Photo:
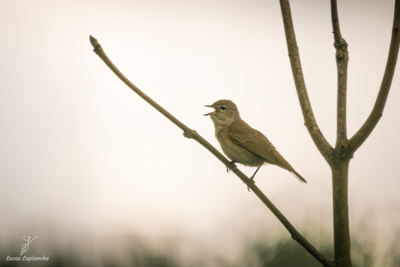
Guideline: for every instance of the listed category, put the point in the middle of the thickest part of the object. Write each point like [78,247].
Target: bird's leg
[252,177]
[232,163]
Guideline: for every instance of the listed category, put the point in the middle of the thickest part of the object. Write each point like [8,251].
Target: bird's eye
[223,107]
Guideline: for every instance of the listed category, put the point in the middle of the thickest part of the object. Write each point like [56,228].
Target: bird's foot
[232,166]
[249,183]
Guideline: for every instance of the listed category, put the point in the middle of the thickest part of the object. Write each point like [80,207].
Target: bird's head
[225,112]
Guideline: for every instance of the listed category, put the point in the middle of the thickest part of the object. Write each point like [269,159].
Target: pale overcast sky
[79,150]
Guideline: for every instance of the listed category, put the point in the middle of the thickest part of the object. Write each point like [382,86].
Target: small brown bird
[243,144]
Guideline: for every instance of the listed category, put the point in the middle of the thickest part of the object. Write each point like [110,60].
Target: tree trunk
[340,170]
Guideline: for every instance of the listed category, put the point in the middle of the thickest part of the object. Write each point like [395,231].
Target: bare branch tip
[97,47]
[93,40]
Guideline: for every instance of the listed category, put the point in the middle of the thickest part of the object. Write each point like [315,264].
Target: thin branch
[295,234]
[322,144]
[194,135]
[342,59]
[335,21]
[365,130]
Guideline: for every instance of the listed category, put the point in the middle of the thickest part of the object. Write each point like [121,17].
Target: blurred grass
[259,252]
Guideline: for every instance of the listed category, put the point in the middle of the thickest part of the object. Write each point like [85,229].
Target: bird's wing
[253,140]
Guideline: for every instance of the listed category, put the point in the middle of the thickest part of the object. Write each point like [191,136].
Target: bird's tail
[298,176]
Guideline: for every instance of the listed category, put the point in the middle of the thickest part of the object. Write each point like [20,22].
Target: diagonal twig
[194,135]
[376,113]
[322,144]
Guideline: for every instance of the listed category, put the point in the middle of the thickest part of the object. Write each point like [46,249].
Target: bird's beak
[211,113]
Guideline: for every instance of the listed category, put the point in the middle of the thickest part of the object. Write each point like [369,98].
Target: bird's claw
[249,183]
[232,166]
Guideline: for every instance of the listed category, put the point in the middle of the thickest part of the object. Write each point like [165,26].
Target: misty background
[99,175]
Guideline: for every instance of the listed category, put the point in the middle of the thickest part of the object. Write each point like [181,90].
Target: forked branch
[194,135]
